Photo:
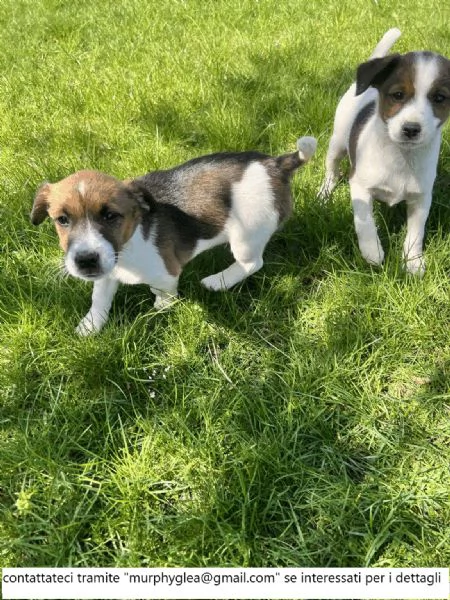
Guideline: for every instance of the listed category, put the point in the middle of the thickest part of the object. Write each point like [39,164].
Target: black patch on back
[192,201]
[181,228]
[159,180]
[195,196]
[243,158]
[361,119]
[280,170]
[167,186]
[171,220]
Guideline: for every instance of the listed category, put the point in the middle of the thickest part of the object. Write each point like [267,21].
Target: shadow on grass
[289,484]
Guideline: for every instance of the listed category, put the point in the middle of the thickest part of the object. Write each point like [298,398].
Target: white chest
[391,175]
[139,262]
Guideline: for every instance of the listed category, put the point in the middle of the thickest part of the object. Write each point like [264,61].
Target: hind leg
[247,248]
[336,152]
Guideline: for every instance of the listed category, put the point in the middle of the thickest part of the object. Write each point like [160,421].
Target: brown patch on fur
[187,210]
[40,205]
[280,184]
[174,258]
[441,88]
[208,194]
[82,194]
[442,110]
[63,235]
[399,79]
[289,163]
[400,82]
[282,200]
[177,234]
[107,203]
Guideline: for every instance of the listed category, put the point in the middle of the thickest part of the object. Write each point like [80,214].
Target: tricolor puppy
[145,230]
[389,123]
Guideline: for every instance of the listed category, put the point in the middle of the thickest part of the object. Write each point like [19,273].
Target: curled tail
[386,43]
[306,147]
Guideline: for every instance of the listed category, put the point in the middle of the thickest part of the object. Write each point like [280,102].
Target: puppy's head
[94,215]
[414,94]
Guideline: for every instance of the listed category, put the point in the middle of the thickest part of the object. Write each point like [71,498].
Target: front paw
[372,253]
[215,283]
[89,325]
[415,266]
[163,301]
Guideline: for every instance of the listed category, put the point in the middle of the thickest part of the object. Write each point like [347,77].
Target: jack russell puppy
[146,229]
[389,123]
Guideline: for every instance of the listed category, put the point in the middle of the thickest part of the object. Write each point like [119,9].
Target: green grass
[301,419]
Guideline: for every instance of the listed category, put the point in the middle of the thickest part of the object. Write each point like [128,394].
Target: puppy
[145,230]
[389,123]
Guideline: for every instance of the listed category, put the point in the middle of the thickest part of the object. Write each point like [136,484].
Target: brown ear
[374,72]
[40,204]
[141,194]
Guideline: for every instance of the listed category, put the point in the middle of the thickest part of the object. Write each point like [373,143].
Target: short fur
[389,123]
[145,230]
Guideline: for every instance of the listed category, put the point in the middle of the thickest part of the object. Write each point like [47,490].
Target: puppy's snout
[411,130]
[88,261]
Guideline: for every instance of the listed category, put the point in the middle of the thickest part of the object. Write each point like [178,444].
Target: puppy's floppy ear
[375,71]
[141,194]
[40,205]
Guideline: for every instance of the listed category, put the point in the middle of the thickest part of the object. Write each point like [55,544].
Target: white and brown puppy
[389,123]
[145,230]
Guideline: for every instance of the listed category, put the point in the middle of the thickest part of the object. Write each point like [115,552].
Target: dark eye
[110,216]
[438,98]
[63,220]
[398,96]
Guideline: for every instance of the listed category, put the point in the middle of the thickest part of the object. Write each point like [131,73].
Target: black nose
[411,130]
[87,261]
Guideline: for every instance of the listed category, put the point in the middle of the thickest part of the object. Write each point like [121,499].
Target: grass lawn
[301,419]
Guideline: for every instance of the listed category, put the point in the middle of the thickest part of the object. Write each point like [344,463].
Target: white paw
[164,301]
[89,325]
[214,283]
[416,266]
[328,185]
[372,253]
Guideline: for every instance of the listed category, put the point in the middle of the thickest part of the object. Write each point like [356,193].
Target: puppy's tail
[386,43]
[306,147]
